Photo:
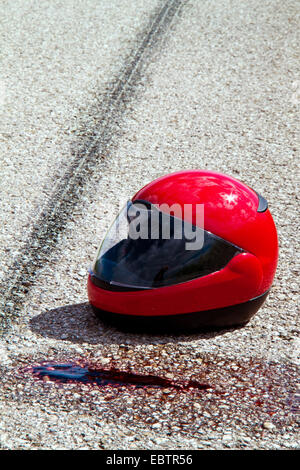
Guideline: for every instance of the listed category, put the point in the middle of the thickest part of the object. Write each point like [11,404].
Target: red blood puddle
[210,389]
[75,373]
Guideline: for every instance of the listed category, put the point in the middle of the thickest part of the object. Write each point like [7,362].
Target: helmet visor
[146,248]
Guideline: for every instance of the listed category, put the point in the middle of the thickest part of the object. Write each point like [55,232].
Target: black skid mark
[86,158]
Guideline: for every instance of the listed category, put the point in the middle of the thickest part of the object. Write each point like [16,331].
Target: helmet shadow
[77,323]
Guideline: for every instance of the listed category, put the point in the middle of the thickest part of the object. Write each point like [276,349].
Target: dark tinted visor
[146,248]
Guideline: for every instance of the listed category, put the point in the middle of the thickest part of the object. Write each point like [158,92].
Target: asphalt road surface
[98,98]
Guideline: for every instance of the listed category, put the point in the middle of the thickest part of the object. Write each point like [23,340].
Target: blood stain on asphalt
[75,373]
[253,386]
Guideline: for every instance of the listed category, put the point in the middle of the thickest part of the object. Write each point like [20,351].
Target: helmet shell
[230,296]
[230,212]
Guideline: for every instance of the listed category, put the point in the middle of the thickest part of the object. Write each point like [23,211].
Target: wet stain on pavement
[102,377]
[163,386]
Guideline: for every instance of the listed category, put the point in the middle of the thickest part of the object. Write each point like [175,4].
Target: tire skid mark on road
[52,220]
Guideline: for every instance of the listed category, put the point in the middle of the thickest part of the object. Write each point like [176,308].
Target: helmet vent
[262,203]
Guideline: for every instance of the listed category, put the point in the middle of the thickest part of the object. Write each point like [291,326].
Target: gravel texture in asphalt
[98,99]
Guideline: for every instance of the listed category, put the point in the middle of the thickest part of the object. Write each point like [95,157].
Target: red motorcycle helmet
[191,250]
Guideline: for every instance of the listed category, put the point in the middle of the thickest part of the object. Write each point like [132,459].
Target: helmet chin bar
[223,317]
